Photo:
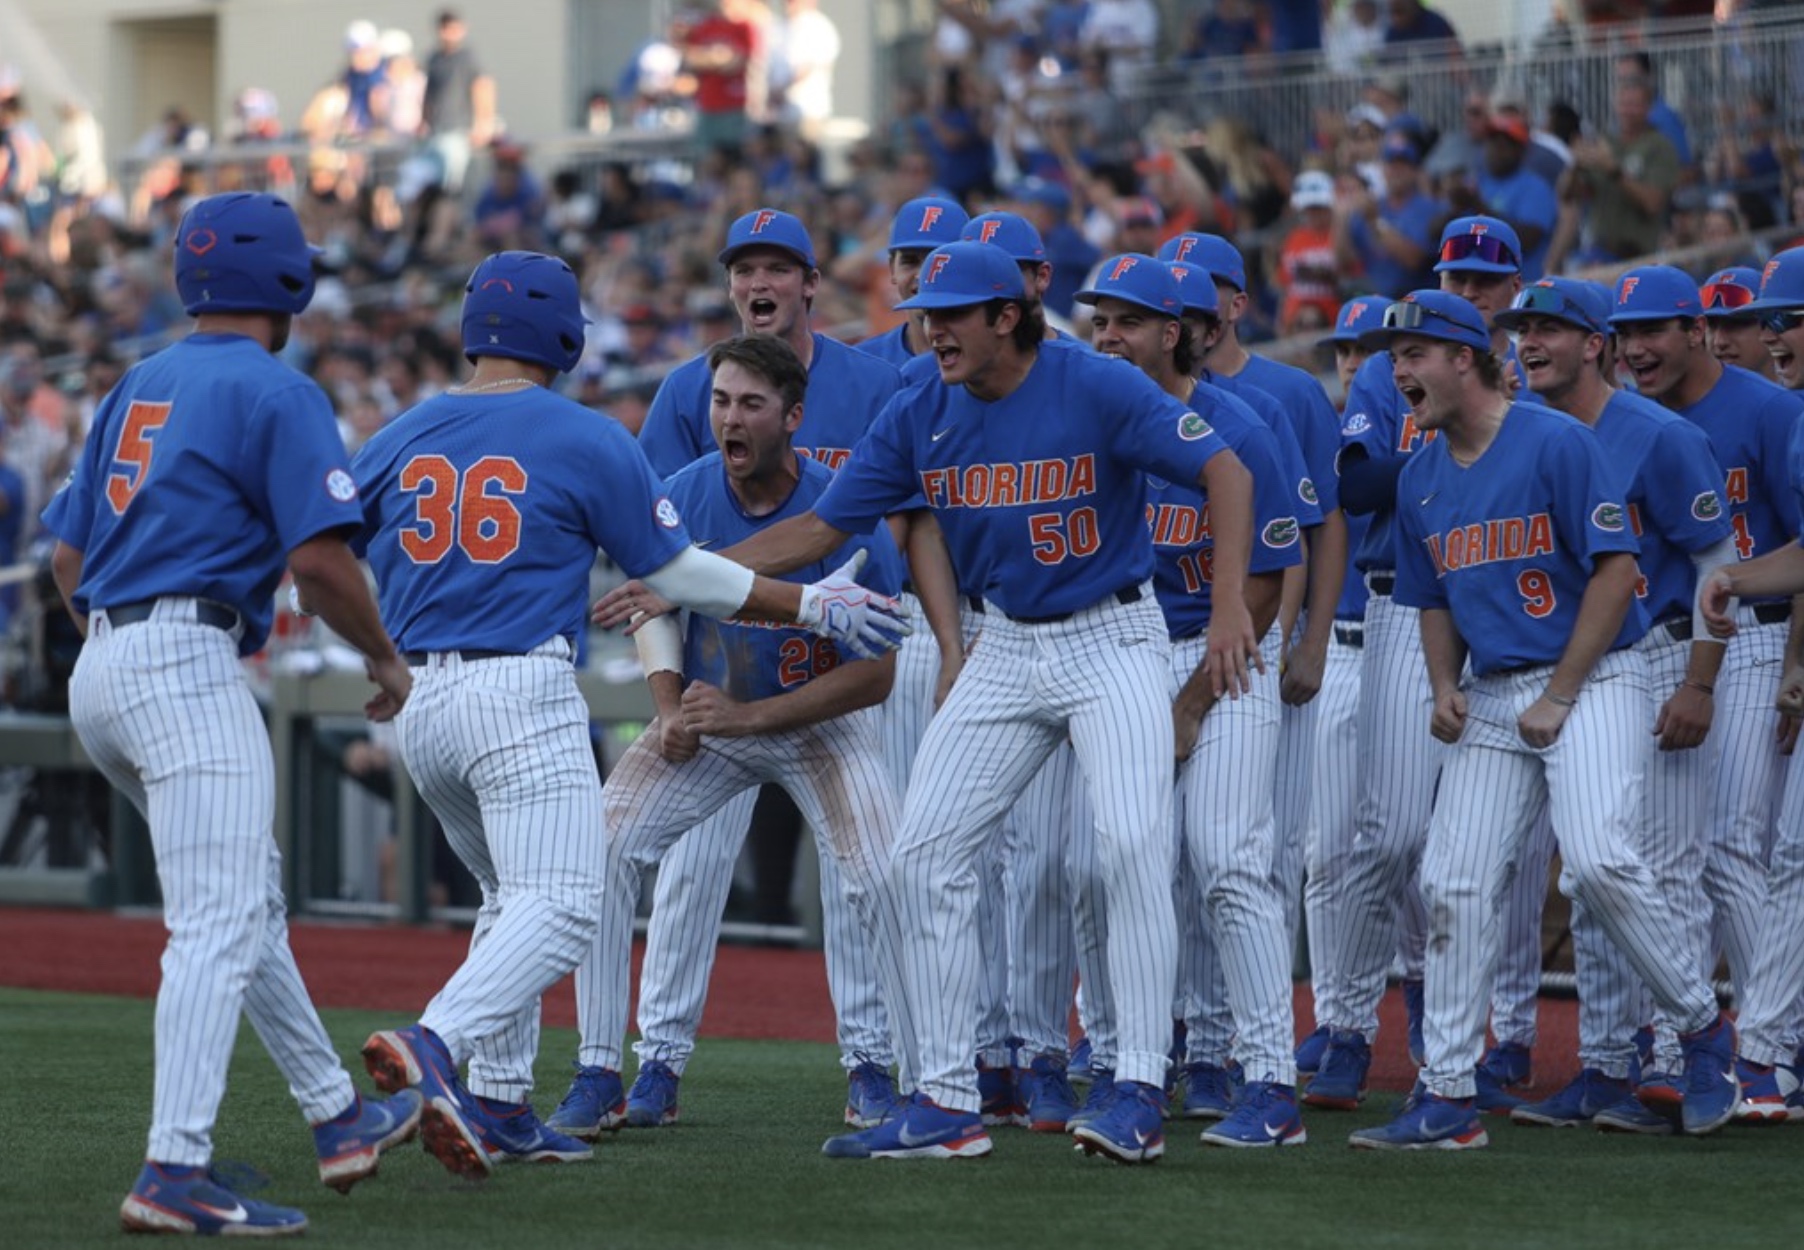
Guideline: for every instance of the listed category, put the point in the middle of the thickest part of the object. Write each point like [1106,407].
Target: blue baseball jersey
[1040,494]
[1311,414]
[1508,544]
[1353,592]
[1268,413]
[1749,422]
[482,515]
[846,390]
[1672,484]
[890,346]
[1178,516]
[1376,419]
[758,660]
[206,466]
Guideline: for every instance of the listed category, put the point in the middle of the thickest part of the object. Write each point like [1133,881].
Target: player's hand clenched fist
[708,710]
[862,621]
[1449,720]
[676,743]
[1541,722]
[1684,719]
[1716,595]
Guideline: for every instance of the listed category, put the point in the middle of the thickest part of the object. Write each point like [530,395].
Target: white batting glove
[862,621]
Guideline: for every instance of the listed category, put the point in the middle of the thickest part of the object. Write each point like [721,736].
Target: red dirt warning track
[755,993]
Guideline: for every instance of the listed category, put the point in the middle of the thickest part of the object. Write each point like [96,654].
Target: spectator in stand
[1308,272]
[978,35]
[1548,152]
[1246,173]
[1411,22]
[510,212]
[810,52]
[1732,333]
[1354,37]
[1390,238]
[718,51]
[958,138]
[1638,65]
[406,82]
[1746,148]
[1295,25]
[1626,180]
[1126,31]
[1227,31]
[1509,189]
[648,342]
[1061,25]
[457,114]
[1047,206]
[1723,233]
[1458,156]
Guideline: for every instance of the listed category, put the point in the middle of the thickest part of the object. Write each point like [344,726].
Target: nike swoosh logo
[704,544]
[1430,495]
[907,1138]
[1274,1131]
[1142,1137]
[941,434]
[237,1215]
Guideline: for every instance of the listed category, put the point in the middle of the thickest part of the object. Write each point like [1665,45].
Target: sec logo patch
[1192,427]
[1608,517]
[667,514]
[1358,423]
[341,486]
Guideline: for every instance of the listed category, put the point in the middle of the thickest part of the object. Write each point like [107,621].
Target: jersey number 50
[470,509]
[1056,537]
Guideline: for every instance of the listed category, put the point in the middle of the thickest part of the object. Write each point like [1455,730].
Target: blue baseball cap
[1566,299]
[1432,314]
[961,274]
[1356,316]
[1138,279]
[1196,287]
[1782,282]
[1479,244]
[769,227]
[1011,232]
[1042,191]
[1208,251]
[1731,292]
[930,221]
[1654,293]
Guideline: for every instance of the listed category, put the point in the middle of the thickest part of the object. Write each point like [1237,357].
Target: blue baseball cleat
[1266,1116]
[1579,1103]
[415,1058]
[1427,1122]
[871,1095]
[1311,1049]
[351,1145]
[1096,1098]
[1340,1083]
[171,1199]
[1131,1129]
[1208,1092]
[512,1132]
[652,1101]
[1712,1091]
[596,1102]
[920,1129]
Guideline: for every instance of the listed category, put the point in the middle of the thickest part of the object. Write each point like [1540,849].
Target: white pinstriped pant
[1101,678]
[1749,780]
[1328,832]
[1292,799]
[1234,945]
[1399,761]
[163,710]
[833,772]
[1769,1020]
[1493,788]
[499,748]
[1037,894]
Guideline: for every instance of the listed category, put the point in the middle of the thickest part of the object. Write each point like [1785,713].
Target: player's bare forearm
[1230,489]
[847,688]
[1601,611]
[930,569]
[65,567]
[331,583]
[1779,572]
[666,690]
[788,545]
[1296,593]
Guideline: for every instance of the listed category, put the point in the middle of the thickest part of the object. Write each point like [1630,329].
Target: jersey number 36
[470,510]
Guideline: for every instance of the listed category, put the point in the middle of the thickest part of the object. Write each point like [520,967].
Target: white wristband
[660,645]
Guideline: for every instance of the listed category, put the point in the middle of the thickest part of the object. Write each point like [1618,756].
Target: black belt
[1381,583]
[1772,613]
[1678,628]
[206,612]
[413,659]
[1350,633]
[1126,595]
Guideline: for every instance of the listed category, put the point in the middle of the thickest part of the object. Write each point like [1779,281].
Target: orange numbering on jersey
[1058,536]
[800,659]
[142,420]
[1536,589]
[470,510]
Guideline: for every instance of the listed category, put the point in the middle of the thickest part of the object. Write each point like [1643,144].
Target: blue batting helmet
[243,252]
[524,305]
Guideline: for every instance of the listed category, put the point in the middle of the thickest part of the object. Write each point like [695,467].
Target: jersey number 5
[1057,537]
[470,509]
[141,421]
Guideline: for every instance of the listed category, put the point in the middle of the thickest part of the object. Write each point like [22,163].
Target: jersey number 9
[469,509]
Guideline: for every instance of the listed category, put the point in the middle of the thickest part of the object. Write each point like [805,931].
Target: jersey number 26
[469,509]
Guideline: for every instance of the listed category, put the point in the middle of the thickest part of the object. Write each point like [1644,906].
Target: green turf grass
[743,1169]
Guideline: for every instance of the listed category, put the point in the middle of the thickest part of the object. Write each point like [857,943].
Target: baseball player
[210,468]
[1732,333]
[772,276]
[483,510]
[1769,1017]
[1032,459]
[1334,782]
[919,226]
[1514,544]
[1672,486]
[1480,262]
[1228,751]
[1749,422]
[750,704]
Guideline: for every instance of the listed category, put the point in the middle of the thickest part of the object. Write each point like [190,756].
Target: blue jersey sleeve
[1685,501]
[879,476]
[70,513]
[675,429]
[1154,431]
[1419,584]
[1588,510]
[306,476]
[1779,420]
[629,515]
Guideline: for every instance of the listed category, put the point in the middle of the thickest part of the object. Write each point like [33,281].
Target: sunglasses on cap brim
[1726,295]
[1485,247]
